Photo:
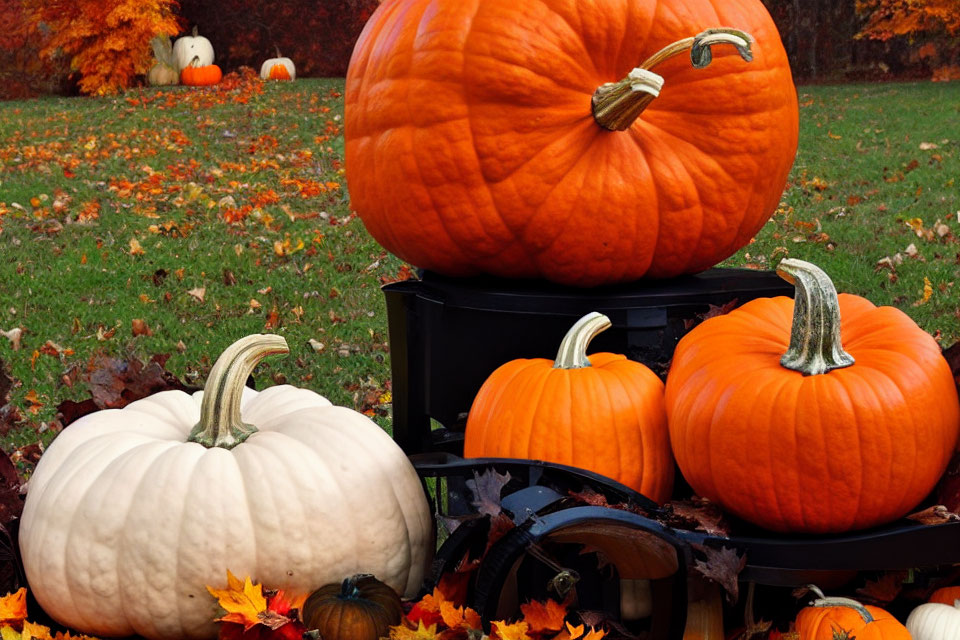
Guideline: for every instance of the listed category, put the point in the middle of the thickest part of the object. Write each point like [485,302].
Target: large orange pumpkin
[796,423]
[846,619]
[603,413]
[472,144]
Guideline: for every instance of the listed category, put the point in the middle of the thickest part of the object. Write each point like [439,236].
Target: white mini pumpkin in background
[186,48]
[132,512]
[278,68]
[935,621]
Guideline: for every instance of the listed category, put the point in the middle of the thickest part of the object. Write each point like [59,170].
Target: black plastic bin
[447,335]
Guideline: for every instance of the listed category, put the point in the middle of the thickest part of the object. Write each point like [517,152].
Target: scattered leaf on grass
[139,327]
[115,383]
[198,293]
[14,336]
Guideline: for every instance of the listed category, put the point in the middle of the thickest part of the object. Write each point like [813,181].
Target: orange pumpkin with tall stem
[818,414]
[602,413]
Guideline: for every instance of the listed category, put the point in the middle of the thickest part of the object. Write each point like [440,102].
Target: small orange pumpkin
[945,595]
[360,608]
[784,425]
[603,413]
[194,75]
[846,619]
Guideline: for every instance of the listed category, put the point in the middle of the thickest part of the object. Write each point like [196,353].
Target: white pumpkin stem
[573,348]
[815,346]
[616,105]
[220,423]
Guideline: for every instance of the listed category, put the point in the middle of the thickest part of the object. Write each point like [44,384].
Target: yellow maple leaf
[544,616]
[515,631]
[13,607]
[422,632]
[595,634]
[244,601]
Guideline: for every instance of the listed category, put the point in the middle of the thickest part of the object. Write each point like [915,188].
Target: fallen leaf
[114,383]
[35,404]
[937,514]
[242,601]
[13,607]
[135,248]
[698,513]
[544,616]
[139,327]
[401,632]
[884,589]
[486,489]
[510,631]
[198,293]
[928,146]
[722,566]
[14,336]
[927,292]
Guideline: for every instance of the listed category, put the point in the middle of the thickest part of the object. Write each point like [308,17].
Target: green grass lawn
[205,215]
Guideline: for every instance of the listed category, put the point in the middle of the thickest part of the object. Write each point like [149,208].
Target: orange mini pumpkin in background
[603,413]
[485,136]
[796,423]
[194,75]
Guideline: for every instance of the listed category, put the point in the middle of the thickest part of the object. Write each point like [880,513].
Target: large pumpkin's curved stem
[617,104]
[573,348]
[220,424]
[815,335]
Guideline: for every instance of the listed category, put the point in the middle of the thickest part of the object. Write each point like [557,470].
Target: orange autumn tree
[106,41]
[932,26]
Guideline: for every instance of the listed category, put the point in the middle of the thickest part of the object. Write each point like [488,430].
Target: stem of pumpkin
[616,105]
[815,346]
[573,348]
[220,424]
[844,602]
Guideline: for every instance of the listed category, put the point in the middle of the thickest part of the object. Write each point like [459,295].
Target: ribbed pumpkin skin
[367,615]
[471,148]
[845,450]
[201,76]
[608,418]
[819,623]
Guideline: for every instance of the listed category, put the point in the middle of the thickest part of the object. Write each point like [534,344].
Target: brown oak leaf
[722,566]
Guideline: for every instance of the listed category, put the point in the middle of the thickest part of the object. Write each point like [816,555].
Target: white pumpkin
[186,48]
[132,512]
[935,621]
[274,68]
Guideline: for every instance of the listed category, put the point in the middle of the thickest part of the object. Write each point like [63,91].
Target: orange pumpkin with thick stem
[796,422]
[846,619]
[603,413]
[485,136]
[195,75]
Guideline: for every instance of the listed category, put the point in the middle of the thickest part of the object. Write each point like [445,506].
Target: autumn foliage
[106,42]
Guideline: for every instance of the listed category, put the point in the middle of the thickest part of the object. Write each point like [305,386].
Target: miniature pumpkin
[935,621]
[603,413]
[846,619]
[361,608]
[792,422]
[278,68]
[186,48]
[507,138]
[194,75]
[165,71]
[133,512]
[945,595]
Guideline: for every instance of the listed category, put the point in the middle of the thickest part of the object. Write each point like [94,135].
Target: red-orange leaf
[13,607]
[544,616]
[516,631]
